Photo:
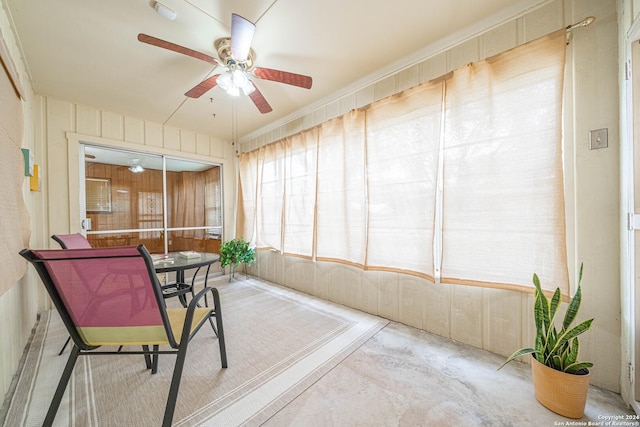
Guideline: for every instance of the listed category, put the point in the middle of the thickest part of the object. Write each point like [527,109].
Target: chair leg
[223,348]
[147,356]
[215,330]
[66,343]
[175,383]
[182,355]
[154,359]
[62,385]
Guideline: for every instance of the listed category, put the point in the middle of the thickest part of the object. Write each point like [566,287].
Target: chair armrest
[193,304]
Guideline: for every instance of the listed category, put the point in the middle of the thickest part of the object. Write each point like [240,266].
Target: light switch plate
[598,138]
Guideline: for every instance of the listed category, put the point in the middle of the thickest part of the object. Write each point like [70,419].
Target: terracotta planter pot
[564,394]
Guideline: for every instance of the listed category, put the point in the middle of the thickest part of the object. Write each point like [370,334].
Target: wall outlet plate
[598,138]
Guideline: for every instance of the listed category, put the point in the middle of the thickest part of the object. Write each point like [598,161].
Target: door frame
[629,221]
[76,165]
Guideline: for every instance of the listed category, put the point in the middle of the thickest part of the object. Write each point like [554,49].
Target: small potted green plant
[560,381]
[235,252]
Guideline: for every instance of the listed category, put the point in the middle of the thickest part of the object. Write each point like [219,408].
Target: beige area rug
[279,342]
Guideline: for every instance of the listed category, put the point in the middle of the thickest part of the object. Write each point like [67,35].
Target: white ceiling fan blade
[242,32]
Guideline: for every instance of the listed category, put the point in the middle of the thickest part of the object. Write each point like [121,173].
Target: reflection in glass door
[167,204]
[193,198]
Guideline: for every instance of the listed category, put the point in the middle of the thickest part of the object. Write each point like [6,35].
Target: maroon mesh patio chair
[78,241]
[112,297]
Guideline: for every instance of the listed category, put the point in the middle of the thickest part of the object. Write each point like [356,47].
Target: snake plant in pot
[560,380]
[235,252]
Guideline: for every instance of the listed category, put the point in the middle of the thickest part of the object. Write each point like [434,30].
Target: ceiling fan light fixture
[239,78]
[234,91]
[225,81]
[235,80]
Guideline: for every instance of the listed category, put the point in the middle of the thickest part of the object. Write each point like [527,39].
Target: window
[482,148]
[98,194]
[503,197]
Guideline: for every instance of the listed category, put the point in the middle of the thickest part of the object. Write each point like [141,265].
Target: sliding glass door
[167,204]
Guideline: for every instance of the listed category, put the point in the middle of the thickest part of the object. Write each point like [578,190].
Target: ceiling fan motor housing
[223,47]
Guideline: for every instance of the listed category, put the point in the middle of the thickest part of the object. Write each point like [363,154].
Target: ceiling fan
[235,54]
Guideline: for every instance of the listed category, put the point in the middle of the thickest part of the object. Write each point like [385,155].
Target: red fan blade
[260,101]
[153,41]
[198,90]
[242,32]
[283,77]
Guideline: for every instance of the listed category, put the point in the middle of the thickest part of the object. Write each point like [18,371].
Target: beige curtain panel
[458,180]
[341,201]
[301,158]
[403,140]
[247,196]
[503,207]
[270,197]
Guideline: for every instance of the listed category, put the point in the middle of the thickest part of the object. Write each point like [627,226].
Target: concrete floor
[407,377]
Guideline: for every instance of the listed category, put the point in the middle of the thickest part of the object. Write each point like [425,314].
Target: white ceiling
[87,51]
